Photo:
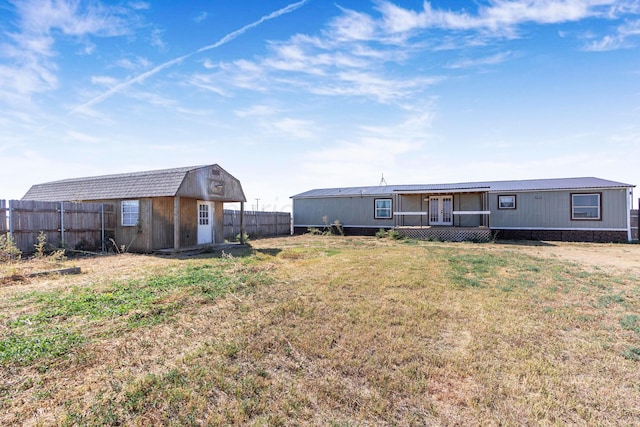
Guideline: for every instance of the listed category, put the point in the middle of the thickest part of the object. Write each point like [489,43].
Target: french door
[441,210]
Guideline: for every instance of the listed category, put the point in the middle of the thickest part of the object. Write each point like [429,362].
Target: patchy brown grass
[317,330]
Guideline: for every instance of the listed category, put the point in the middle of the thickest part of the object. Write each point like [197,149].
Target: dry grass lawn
[337,331]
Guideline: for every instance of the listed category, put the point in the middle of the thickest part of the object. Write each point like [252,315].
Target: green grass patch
[24,348]
[133,304]
[631,322]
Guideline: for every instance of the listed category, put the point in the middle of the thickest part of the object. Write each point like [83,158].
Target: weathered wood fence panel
[67,225]
[634,224]
[4,219]
[257,223]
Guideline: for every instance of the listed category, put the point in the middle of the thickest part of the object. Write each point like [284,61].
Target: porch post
[176,223]
[218,222]
[242,223]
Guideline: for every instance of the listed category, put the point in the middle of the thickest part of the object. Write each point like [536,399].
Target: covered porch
[451,214]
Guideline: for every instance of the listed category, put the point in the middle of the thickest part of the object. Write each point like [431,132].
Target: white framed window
[203,214]
[507,201]
[586,206]
[130,212]
[382,209]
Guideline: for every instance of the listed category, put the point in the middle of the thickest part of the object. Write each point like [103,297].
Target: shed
[158,209]
[571,209]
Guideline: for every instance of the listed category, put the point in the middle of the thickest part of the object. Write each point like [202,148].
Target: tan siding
[135,238]
[218,221]
[211,183]
[163,222]
[188,222]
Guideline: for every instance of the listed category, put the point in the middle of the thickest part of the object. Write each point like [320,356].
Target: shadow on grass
[523,243]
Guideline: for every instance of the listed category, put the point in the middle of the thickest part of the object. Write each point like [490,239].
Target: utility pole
[257,200]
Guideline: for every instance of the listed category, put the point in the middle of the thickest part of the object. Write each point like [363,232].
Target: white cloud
[256,111]
[208,83]
[295,128]
[498,58]
[103,80]
[498,16]
[155,39]
[29,51]
[373,150]
[140,5]
[133,64]
[82,137]
[353,26]
[620,39]
[200,17]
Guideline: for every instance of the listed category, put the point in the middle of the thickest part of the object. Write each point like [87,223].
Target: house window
[383,209]
[507,202]
[586,206]
[130,212]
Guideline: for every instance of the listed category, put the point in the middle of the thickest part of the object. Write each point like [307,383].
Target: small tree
[8,249]
[41,245]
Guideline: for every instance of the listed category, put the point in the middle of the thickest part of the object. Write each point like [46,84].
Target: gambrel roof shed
[201,182]
[158,209]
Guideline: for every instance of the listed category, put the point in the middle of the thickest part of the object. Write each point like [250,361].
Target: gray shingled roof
[156,183]
[491,186]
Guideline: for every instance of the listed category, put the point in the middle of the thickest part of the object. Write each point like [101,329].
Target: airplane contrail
[141,77]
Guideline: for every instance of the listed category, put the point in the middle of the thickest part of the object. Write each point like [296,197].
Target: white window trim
[129,214]
[515,199]
[375,208]
[598,206]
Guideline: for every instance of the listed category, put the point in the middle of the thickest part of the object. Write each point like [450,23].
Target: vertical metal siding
[469,202]
[350,211]
[411,203]
[552,209]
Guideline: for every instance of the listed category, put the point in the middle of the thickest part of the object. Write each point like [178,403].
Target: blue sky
[289,96]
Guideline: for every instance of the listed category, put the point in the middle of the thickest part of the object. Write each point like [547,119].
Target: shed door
[441,210]
[205,222]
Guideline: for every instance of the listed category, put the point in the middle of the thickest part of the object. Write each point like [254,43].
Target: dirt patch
[610,257]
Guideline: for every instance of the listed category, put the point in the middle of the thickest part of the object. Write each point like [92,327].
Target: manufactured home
[566,209]
[160,209]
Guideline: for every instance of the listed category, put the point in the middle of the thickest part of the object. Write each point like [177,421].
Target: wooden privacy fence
[634,224]
[257,224]
[83,226]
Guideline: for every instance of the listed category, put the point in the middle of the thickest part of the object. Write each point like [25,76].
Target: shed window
[383,209]
[130,212]
[586,206]
[507,202]
[203,214]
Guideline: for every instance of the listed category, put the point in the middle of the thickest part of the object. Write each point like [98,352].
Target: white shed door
[205,222]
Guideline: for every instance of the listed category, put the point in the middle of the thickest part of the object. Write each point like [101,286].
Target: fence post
[62,225]
[233,224]
[102,227]
[242,223]
[10,228]
[10,219]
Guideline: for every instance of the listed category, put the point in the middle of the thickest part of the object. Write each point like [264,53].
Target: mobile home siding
[552,210]
[350,211]
[468,202]
[412,203]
